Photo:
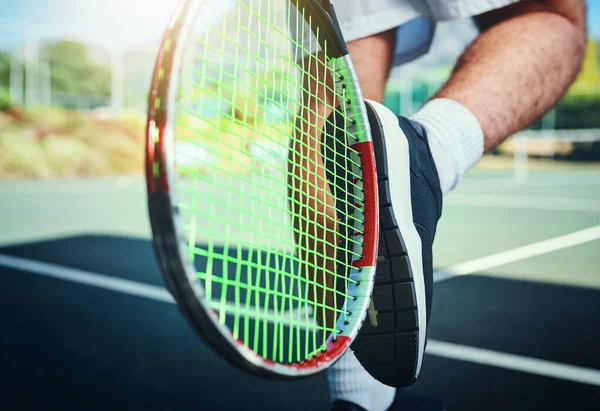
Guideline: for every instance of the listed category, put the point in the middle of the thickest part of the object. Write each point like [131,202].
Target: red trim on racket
[334,348]
[371,238]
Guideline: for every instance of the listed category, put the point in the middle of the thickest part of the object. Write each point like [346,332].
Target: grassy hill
[53,142]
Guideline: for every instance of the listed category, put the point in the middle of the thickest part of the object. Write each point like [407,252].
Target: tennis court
[88,324]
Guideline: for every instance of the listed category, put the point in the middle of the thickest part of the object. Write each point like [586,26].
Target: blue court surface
[87,323]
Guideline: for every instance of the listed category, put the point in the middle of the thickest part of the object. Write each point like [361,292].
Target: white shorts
[415,19]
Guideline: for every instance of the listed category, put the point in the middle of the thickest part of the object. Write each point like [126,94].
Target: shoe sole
[391,343]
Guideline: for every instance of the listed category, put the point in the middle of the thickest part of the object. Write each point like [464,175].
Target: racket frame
[169,242]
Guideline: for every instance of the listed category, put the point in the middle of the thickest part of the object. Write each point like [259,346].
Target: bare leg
[372,58]
[520,66]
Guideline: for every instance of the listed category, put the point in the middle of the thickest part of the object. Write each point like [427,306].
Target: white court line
[437,348]
[267,315]
[498,186]
[569,183]
[106,282]
[519,253]
[119,285]
[526,202]
[514,362]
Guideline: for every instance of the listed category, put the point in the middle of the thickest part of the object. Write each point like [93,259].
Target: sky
[114,24]
[594,18]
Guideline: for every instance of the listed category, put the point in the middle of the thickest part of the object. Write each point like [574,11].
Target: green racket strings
[271,243]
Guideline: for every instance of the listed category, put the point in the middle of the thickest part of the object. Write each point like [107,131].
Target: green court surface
[514,323]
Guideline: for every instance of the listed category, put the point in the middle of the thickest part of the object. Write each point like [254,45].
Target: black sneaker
[391,342]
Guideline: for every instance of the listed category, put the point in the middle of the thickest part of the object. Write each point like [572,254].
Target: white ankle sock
[349,381]
[455,138]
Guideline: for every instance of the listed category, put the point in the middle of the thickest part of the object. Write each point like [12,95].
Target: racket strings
[350,162]
[251,266]
[194,209]
[321,84]
[260,93]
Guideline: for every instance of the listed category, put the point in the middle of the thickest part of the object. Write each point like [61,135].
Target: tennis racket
[261,182]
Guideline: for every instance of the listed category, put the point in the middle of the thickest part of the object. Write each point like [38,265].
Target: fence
[543,140]
[30,71]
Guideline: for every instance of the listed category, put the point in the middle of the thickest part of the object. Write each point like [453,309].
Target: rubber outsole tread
[389,349]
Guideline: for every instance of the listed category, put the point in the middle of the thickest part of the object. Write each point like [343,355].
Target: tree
[579,108]
[4,81]
[72,70]
[588,81]
[4,70]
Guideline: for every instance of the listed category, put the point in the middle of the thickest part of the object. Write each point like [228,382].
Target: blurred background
[89,325]
[74,78]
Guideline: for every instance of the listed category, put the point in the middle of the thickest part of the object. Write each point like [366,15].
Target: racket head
[179,138]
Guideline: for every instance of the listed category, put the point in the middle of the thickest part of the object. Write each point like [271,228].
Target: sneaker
[391,343]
